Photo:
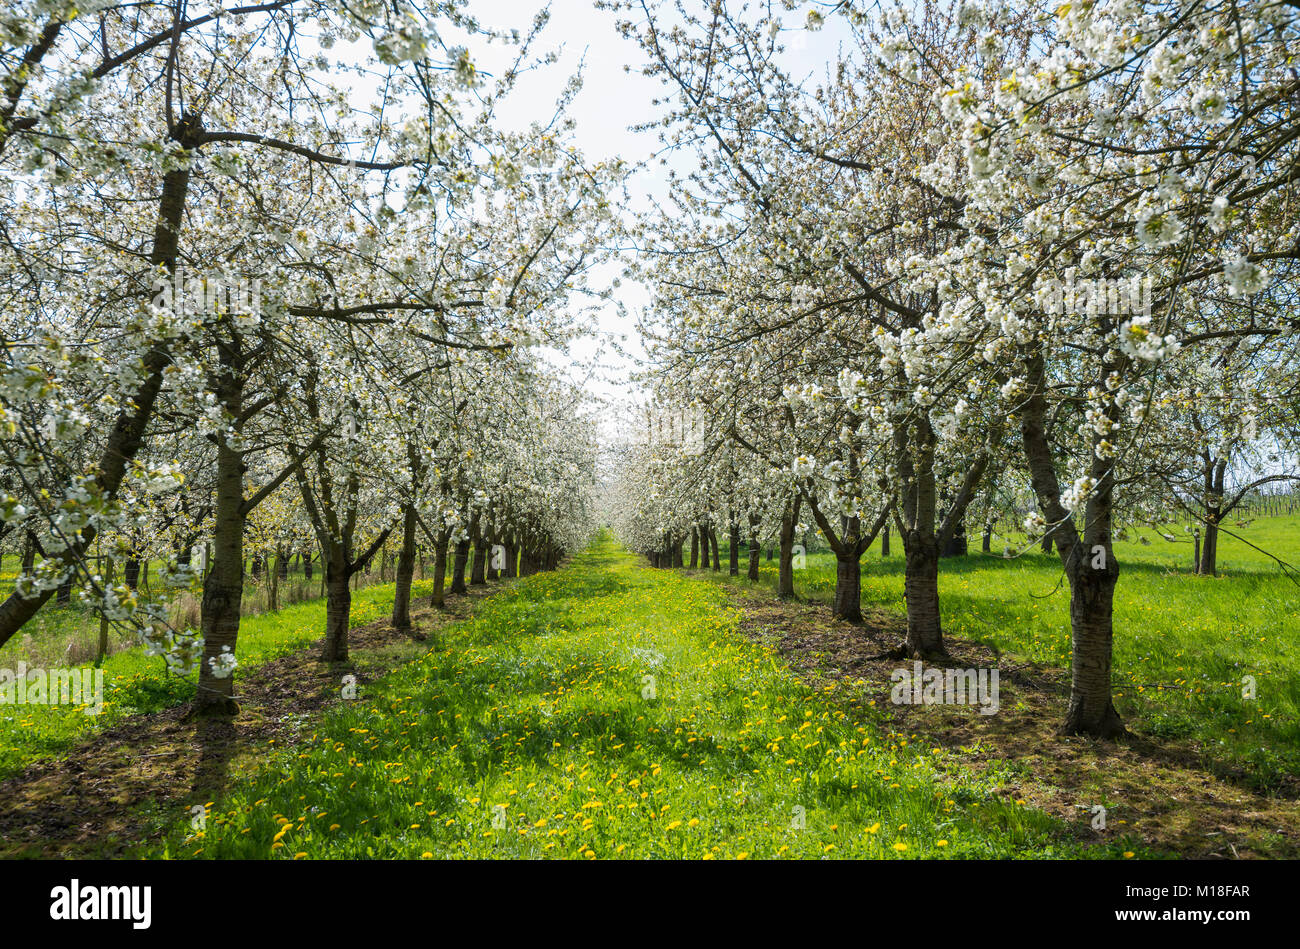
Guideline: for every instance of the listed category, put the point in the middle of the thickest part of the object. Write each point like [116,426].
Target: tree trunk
[438,599]
[1091,710]
[733,554]
[754,551]
[713,542]
[223,589]
[102,651]
[338,609]
[458,565]
[478,572]
[847,604]
[956,545]
[695,547]
[785,565]
[921,583]
[512,560]
[273,589]
[405,572]
[1209,562]
[1210,546]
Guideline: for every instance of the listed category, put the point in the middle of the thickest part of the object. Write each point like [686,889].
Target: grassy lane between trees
[611,710]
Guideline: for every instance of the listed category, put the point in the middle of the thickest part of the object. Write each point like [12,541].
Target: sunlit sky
[613,98]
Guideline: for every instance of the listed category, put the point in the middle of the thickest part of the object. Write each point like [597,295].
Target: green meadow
[610,710]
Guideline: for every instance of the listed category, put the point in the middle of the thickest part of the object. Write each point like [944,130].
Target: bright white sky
[614,98]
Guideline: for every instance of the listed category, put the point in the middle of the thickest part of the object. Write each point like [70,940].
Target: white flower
[224,665]
[1159,230]
[989,44]
[1078,493]
[1209,105]
[1219,214]
[1137,340]
[1243,277]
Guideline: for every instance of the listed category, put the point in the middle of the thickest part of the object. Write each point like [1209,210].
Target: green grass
[135,682]
[529,731]
[1182,643]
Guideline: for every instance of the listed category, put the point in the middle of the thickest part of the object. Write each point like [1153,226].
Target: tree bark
[1091,711]
[921,583]
[223,588]
[101,652]
[512,559]
[458,565]
[847,604]
[478,572]
[1214,477]
[438,599]
[338,609]
[405,572]
[785,566]
[273,588]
